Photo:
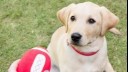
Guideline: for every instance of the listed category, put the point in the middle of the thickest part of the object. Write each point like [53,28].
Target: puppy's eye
[91,21]
[73,18]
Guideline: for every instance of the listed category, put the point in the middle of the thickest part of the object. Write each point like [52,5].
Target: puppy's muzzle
[76,37]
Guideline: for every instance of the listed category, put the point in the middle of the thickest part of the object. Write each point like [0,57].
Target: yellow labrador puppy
[80,45]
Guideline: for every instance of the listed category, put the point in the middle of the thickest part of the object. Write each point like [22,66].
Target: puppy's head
[85,22]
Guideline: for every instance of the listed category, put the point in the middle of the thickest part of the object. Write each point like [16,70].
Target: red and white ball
[35,60]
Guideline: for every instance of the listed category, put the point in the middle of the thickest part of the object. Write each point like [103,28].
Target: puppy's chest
[88,64]
[82,68]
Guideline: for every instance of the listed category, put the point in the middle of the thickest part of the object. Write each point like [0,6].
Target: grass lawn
[28,23]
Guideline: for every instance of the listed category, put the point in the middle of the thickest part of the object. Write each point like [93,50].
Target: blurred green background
[28,23]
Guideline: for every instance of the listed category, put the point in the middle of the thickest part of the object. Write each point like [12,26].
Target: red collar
[84,53]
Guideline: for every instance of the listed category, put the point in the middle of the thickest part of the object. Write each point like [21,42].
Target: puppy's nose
[76,37]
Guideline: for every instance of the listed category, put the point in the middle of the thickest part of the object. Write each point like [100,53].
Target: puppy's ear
[109,20]
[64,13]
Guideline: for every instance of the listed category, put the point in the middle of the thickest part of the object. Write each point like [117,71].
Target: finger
[13,66]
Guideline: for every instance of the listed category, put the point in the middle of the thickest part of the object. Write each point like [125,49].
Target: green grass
[28,23]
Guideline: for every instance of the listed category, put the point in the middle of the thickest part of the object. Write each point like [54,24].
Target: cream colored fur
[64,57]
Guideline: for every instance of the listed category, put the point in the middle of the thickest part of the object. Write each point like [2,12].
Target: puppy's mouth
[79,44]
